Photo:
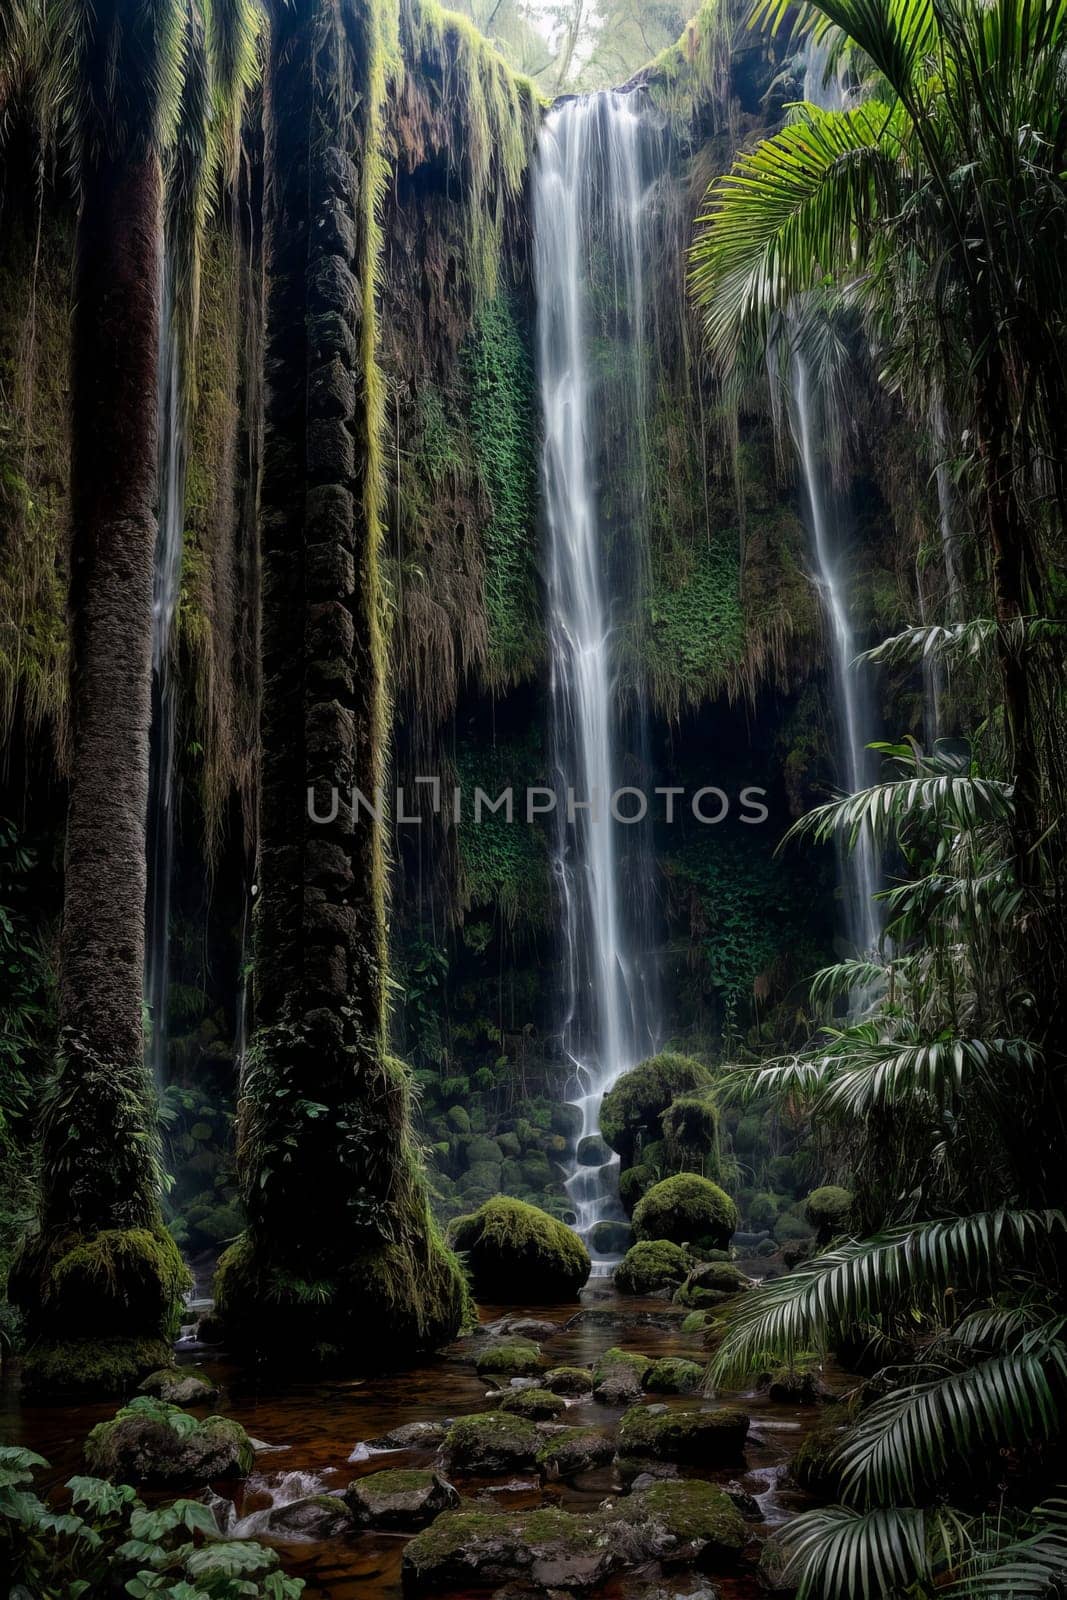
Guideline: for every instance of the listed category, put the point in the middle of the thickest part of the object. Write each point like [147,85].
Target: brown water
[311,1430]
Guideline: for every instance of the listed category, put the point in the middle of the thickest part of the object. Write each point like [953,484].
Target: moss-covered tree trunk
[101,1281]
[340,1257]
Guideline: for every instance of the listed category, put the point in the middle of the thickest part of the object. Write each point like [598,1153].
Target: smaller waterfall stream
[590,208]
[165,593]
[853,711]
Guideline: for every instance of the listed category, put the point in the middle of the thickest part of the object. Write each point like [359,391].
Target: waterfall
[595,162]
[166,587]
[853,712]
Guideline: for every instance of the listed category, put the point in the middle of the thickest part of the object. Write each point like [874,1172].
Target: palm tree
[101,1280]
[939,1106]
[340,1258]
[935,205]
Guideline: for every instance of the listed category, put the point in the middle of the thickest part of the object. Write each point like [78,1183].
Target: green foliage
[502,864]
[691,1135]
[109,1542]
[503,433]
[752,907]
[695,638]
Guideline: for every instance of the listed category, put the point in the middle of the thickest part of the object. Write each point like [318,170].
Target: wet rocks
[684,1434]
[537,1404]
[549,1549]
[570,1381]
[511,1358]
[574,1450]
[619,1375]
[319,1516]
[674,1375]
[410,1436]
[150,1442]
[179,1386]
[399,1501]
[491,1443]
[710,1284]
[684,1522]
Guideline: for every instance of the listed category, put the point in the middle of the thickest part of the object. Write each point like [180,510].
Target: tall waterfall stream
[595,164]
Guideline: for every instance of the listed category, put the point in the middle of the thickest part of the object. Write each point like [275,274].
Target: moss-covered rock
[651,1266]
[685,1522]
[491,1443]
[549,1549]
[540,1405]
[634,1105]
[696,1322]
[611,1238]
[317,1516]
[410,1436]
[798,1383]
[511,1358]
[179,1386]
[828,1210]
[570,1381]
[674,1375]
[517,1253]
[686,1209]
[574,1450]
[690,1435]
[154,1443]
[634,1184]
[816,1467]
[399,1501]
[618,1376]
[691,1134]
[711,1284]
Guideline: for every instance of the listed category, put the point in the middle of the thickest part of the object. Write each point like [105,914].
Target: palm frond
[887,808]
[1029,1566]
[795,208]
[841,1554]
[908,1442]
[857,1280]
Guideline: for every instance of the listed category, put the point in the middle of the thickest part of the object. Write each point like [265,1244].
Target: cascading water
[854,714]
[595,163]
[165,591]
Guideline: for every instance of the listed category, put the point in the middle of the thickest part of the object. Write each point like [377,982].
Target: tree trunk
[101,1283]
[340,1255]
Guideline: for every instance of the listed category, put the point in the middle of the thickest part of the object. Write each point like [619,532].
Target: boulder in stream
[318,1517]
[155,1443]
[674,1375]
[574,1450]
[511,1358]
[538,1404]
[651,1266]
[687,1209]
[571,1381]
[179,1386]
[410,1436]
[549,1549]
[685,1522]
[399,1501]
[516,1252]
[619,1375]
[491,1443]
[686,1434]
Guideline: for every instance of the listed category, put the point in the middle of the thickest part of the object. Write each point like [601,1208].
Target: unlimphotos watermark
[708,805]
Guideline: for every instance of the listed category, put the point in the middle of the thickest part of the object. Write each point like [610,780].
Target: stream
[312,1441]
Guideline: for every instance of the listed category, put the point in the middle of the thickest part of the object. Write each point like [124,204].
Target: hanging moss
[34,467]
[504,433]
[696,634]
